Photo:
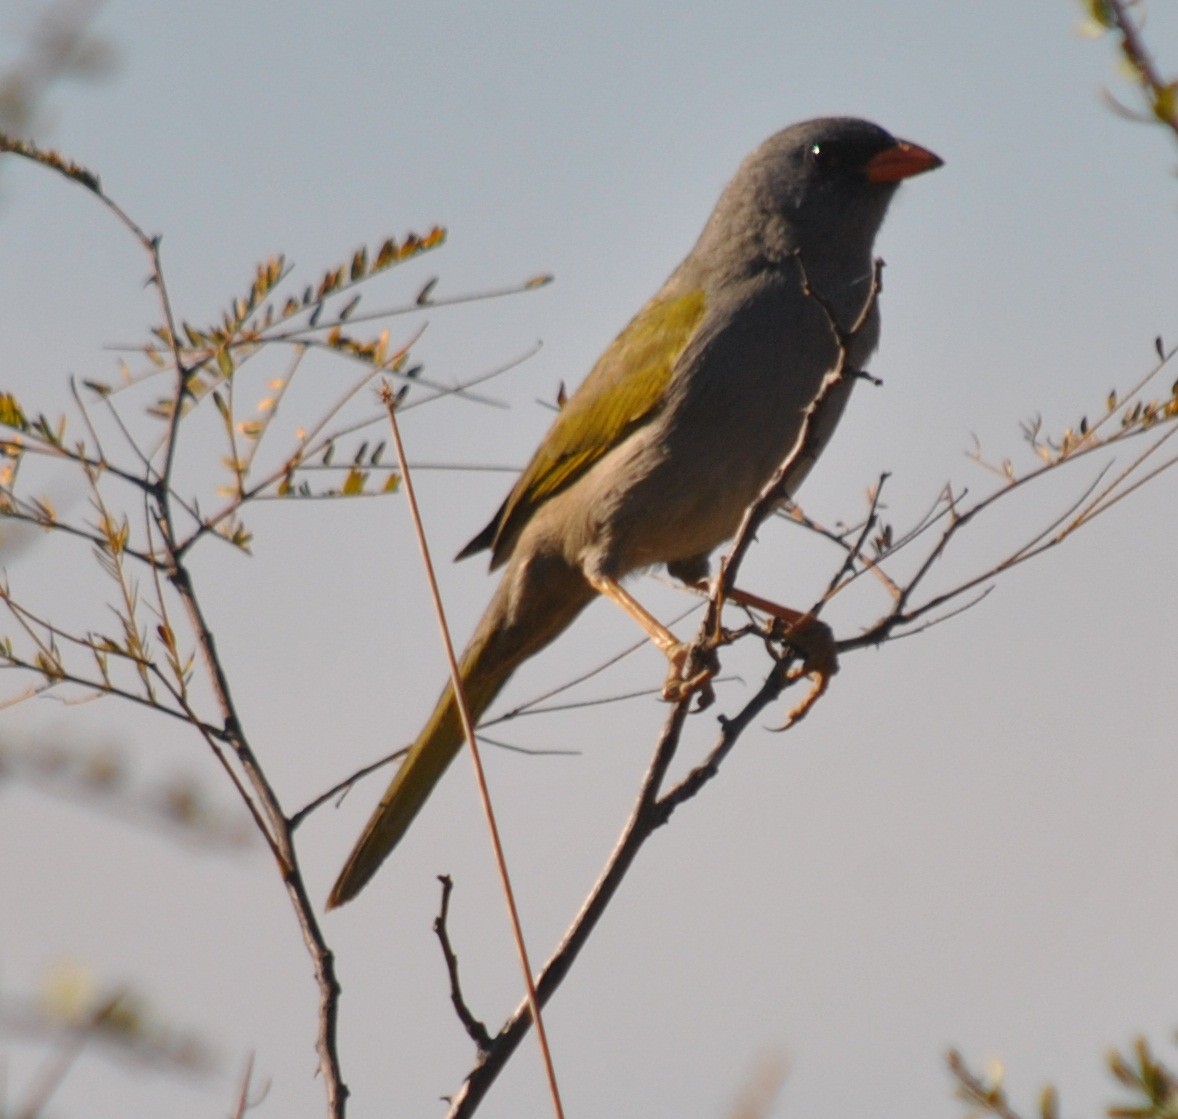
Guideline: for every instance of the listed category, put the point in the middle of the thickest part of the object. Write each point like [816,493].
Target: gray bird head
[820,188]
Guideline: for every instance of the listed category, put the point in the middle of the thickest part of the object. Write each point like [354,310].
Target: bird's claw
[814,641]
[692,667]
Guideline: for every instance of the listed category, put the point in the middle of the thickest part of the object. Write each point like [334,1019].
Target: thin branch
[847,572]
[474,1028]
[528,705]
[777,488]
[530,284]
[342,787]
[277,832]
[973,1090]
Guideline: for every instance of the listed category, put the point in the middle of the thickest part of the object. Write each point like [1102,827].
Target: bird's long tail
[535,602]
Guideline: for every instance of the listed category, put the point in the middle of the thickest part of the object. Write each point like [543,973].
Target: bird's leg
[685,675]
[806,632]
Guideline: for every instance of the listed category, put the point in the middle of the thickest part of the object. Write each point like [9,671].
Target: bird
[686,416]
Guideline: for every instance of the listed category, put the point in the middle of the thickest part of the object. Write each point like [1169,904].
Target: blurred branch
[1153,1088]
[101,779]
[1161,96]
[986,1096]
[72,1015]
[246,1100]
[761,1091]
[60,47]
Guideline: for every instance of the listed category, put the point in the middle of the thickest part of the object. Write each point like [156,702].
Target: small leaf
[426,291]
[117,537]
[1100,12]
[46,514]
[359,264]
[225,363]
[354,482]
[330,283]
[1165,103]
[11,413]
[50,667]
[386,255]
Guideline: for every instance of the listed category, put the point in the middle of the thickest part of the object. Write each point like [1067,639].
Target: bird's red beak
[901,161]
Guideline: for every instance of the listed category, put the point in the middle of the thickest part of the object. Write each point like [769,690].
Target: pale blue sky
[971,842]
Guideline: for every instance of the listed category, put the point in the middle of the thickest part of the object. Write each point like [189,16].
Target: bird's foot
[814,641]
[692,667]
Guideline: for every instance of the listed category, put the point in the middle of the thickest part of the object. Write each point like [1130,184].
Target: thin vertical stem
[388,398]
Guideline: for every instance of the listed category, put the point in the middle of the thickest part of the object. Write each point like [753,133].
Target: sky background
[972,840]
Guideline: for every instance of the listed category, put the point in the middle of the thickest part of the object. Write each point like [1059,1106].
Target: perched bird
[680,424]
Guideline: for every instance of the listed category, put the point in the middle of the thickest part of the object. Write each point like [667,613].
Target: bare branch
[475,1028]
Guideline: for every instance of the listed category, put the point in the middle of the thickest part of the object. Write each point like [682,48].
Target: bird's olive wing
[621,393]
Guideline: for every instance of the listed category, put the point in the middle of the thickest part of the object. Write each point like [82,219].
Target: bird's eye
[826,156]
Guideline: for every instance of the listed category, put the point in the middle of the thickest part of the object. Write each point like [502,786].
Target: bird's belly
[661,497]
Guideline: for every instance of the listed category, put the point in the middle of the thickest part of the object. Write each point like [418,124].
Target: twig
[534,704]
[973,1090]
[477,1031]
[847,571]
[343,786]
[777,488]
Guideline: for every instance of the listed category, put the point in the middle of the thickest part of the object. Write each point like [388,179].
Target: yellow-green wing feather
[621,393]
